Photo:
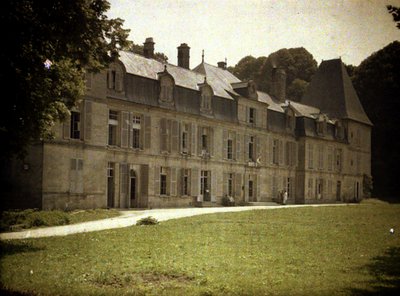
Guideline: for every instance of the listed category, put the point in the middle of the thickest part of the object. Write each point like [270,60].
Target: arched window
[167,85]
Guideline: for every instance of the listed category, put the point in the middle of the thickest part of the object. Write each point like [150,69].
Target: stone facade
[149,135]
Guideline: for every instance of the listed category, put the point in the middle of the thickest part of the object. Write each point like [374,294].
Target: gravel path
[129,218]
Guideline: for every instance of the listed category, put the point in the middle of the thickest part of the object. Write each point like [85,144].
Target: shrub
[228,201]
[147,221]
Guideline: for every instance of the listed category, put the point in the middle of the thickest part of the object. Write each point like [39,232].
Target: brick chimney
[278,85]
[148,48]
[184,56]
[222,65]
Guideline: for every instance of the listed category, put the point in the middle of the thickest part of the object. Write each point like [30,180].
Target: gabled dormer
[116,78]
[206,95]
[290,118]
[247,89]
[320,124]
[339,130]
[167,88]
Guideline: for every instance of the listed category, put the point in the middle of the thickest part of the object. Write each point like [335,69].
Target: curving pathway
[129,218]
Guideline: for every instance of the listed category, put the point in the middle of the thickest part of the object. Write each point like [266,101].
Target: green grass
[26,219]
[305,251]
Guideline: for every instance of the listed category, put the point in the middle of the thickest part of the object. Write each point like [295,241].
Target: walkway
[129,218]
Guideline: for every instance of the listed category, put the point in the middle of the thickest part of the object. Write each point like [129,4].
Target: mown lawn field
[344,250]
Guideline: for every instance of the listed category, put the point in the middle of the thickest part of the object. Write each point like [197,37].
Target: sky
[233,29]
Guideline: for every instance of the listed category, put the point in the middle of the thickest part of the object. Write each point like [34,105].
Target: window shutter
[238,185]
[88,120]
[163,135]
[246,147]
[213,191]
[195,182]
[225,184]
[124,184]
[174,180]
[271,150]
[124,129]
[238,147]
[224,144]
[181,181]
[147,131]
[280,149]
[199,134]
[247,114]
[156,180]
[192,139]
[79,176]
[263,116]
[211,141]
[72,175]
[130,131]
[242,113]
[175,136]
[67,128]
[257,187]
[258,153]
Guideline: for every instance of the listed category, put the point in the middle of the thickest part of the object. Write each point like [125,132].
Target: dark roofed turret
[333,93]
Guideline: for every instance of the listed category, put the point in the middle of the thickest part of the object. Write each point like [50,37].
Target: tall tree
[47,47]
[377,81]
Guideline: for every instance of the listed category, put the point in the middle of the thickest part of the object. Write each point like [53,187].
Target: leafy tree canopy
[377,82]
[47,47]
[138,49]
[298,63]
[395,12]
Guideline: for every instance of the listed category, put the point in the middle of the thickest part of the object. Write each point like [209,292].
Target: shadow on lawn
[386,272]
[16,247]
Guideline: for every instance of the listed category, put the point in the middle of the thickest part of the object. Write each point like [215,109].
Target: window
[75,125]
[230,184]
[185,138]
[229,149]
[321,157]
[112,127]
[204,183]
[330,158]
[252,115]
[166,88]
[338,159]
[136,132]
[310,188]
[112,79]
[163,181]
[251,190]
[204,142]
[185,182]
[110,170]
[251,148]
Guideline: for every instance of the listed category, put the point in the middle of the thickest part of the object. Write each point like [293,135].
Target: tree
[298,63]
[47,47]
[395,12]
[377,82]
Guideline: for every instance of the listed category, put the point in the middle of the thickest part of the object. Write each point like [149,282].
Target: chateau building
[149,134]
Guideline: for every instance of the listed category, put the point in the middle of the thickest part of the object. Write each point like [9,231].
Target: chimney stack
[222,65]
[184,56]
[148,48]
[278,85]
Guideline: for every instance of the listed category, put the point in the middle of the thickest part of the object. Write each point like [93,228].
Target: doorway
[132,189]
[110,185]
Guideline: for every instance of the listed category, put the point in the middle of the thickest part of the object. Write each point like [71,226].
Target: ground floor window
[163,182]
[204,185]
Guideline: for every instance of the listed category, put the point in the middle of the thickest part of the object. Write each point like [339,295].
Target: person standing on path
[285,196]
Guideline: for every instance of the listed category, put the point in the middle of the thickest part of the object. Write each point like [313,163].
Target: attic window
[321,125]
[290,120]
[339,131]
[115,78]
[166,89]
[206,96]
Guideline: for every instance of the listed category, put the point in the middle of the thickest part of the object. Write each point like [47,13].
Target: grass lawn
[26,219]
[305,251]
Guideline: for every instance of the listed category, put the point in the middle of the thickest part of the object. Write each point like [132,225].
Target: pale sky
[350,29]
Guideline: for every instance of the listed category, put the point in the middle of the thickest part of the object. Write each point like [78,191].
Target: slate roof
[332,92]
[304,110]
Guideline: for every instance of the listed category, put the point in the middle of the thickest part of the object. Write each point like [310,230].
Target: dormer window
[115,78]
[321,125]
[206,93]
[167,85]
[339,130]
[290,119]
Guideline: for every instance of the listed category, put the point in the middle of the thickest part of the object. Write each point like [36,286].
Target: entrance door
[338,191]
[204,185]
[110,185]
[132,188]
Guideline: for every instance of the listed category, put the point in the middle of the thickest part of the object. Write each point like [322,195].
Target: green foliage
[298,63]
[367,185]
[147,221]
[227,202]
[377,82]
[15,220]
[75,36]
[340,250]
[395,12]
